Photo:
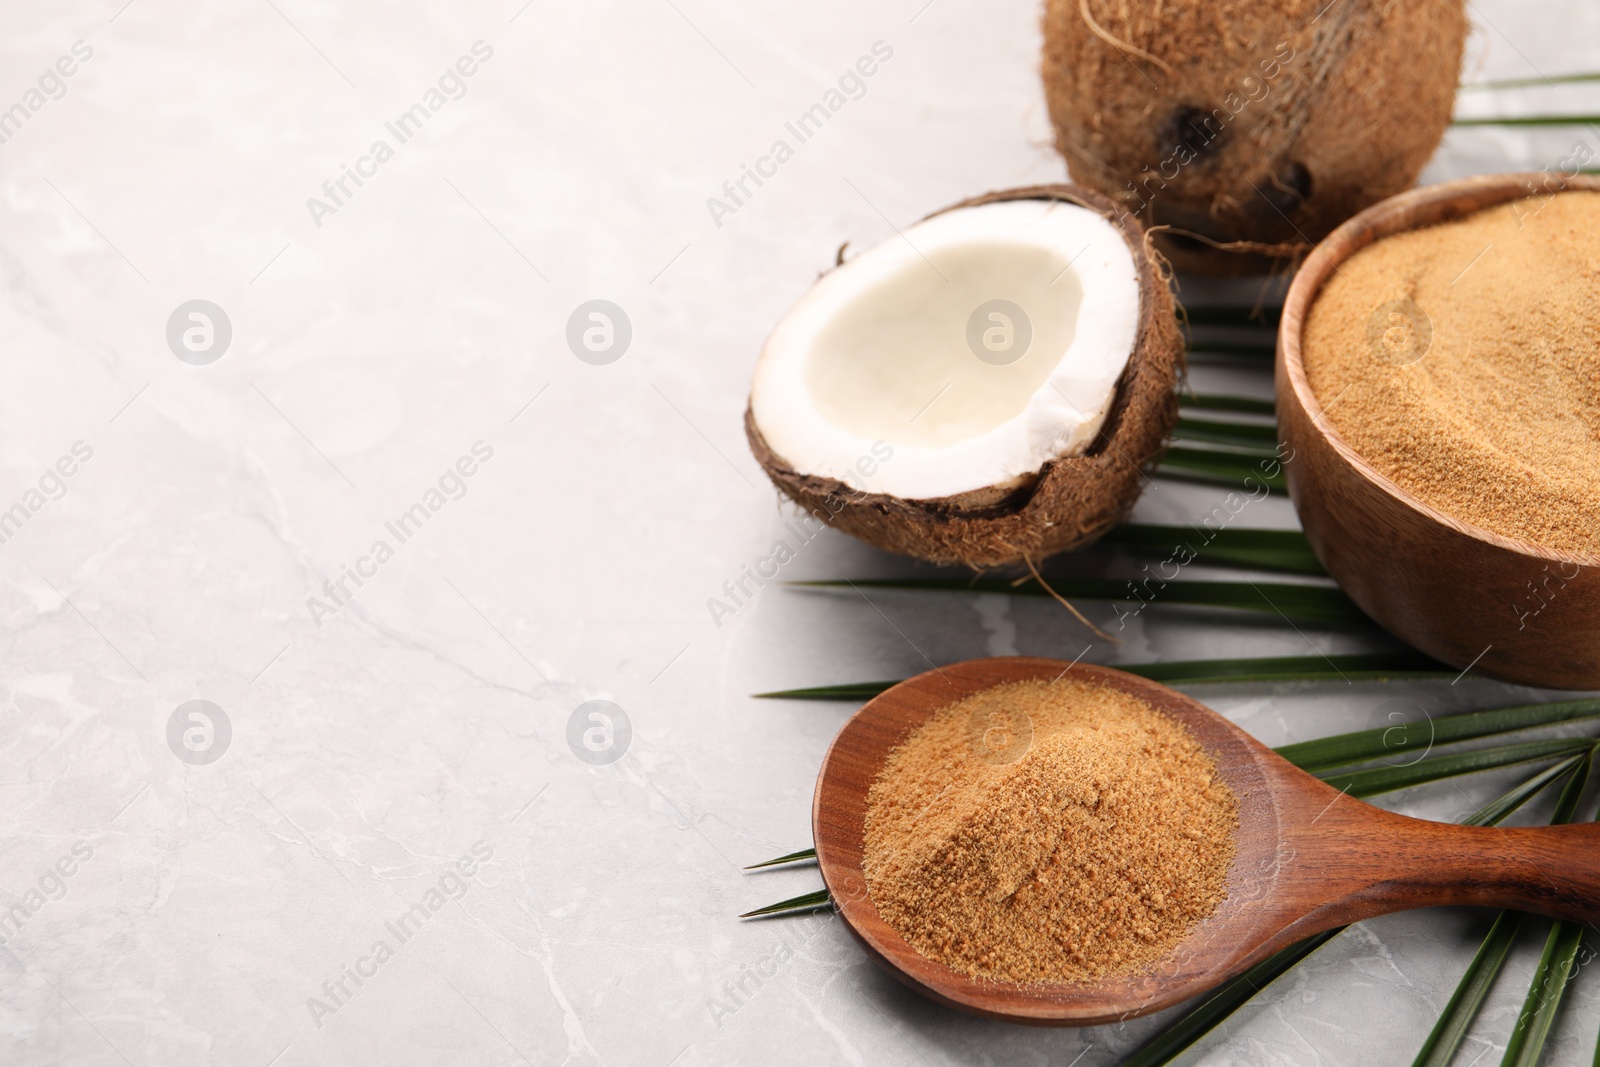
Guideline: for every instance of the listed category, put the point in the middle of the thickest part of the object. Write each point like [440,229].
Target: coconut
[1264,124]
[986,387]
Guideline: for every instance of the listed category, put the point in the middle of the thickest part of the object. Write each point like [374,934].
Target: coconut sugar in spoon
[1308,857]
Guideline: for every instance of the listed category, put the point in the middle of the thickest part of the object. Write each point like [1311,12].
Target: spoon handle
[1396,863]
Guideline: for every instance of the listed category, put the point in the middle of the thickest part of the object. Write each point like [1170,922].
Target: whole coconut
[1264,123]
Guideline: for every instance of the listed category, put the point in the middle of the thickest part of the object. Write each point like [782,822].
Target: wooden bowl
[1506,608]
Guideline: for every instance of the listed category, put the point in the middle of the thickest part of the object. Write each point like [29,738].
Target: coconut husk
[1073,500]
[1188,114]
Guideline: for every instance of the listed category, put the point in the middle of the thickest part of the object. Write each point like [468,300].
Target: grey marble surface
[402,748]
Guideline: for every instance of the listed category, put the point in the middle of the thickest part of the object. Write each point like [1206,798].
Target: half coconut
[984,388]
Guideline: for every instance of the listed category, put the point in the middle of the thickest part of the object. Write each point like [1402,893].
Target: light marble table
[390,757]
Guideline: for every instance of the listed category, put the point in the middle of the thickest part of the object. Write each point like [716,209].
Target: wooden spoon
[1308,857]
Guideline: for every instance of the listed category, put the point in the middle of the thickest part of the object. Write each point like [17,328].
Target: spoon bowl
[1308,858]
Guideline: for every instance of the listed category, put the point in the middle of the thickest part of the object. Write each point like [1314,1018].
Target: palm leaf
[1311,603]
[1555,968]
[1531,120]
[1275,550]
[1244,405]
[1451,1029]
[793,857]
[799,905]
[1247,349]
[1536,82]
[1378,666]
[1545,993]
[1257,437]
[1211,467]
[1370,666]
[1232,315]
[847,691]
[1249,455]
[1503,806]
[1567,805]
[1388,779]
[1227,999]
[1229,478]
[1362,745]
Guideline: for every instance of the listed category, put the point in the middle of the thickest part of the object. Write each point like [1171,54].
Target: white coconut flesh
[905,346]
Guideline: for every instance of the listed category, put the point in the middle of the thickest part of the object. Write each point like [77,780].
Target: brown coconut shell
[1262,125]
[1073,500]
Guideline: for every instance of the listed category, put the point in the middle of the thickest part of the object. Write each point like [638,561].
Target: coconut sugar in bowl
[1438,393]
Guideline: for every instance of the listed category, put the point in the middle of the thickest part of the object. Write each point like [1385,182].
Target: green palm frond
[1372,666]
[1241,405]
[1551,978]
[1227,999]
[1252,350]
[1257,437]
[1535,82]
[793,857]
[1377,780]
[1266,550]
[1244,473]
[1402,738]
[805,902]
[1531,120]
[1368,666]
[1451,1030]
[1308,603]
[1534,1021]
[1232,315]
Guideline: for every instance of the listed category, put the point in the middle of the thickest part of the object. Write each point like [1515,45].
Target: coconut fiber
[1268,122]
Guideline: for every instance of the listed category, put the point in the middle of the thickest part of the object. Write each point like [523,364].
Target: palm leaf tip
[849,691]
[805,902]
[792,857]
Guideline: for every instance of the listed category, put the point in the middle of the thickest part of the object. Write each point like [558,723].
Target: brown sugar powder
[1463,362]
[1048,832]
